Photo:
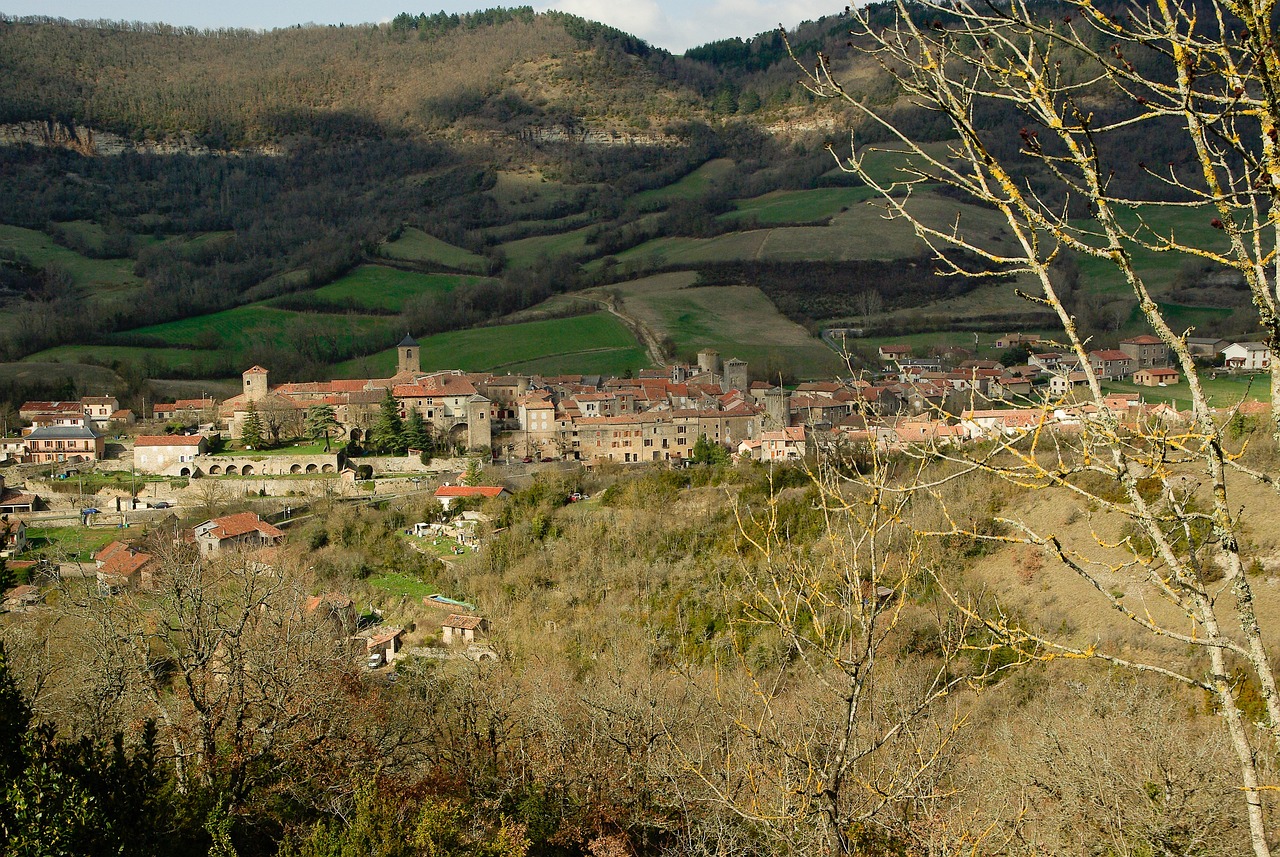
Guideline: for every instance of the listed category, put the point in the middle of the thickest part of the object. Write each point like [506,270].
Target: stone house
[100,409]
[158,453]
[1147,351]
[458,629]
[385,643]
[232,532]
[786,444]
[448,494]
[13,536]
[1111,364]
[121,567]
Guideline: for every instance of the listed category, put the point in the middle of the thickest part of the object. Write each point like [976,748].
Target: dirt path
[642,332]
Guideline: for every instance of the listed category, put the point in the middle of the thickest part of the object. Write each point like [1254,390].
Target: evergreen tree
[416,433]
[251,430]
[707,452]
[387,436]
[321,423]
[473,475]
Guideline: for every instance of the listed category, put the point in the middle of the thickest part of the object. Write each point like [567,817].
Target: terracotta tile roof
[381,637]
[334,600]
[119,560]
[230,526]
[1110,354]
[13,497]
[462,623]
[1144,339]
[168,440]
[469,490]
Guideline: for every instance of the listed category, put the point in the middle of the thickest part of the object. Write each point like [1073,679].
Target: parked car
[161,504]
[374,661]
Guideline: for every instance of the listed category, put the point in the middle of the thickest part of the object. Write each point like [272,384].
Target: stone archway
[247,470]
[297,468]
[311,468]
[186,471]
[459,434]
[215,470]
[232,470]
[328,468]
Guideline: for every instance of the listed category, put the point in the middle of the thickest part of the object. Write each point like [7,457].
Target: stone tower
[255,383]
[408,357]
[479,433]
[735,375]
[776,417]
[709,361]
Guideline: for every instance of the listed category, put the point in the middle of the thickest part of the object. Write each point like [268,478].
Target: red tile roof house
[243,530]
[157,453]
[447,494]
[458,628]
[1111,364]
[1156,377]
[122,567]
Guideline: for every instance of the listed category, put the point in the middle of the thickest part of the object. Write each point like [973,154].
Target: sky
[671,24]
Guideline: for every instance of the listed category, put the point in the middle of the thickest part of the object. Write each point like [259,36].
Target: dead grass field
[737,321]
[1058,600]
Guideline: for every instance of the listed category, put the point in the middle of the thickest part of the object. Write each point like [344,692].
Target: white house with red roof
[244,530]
[449,494]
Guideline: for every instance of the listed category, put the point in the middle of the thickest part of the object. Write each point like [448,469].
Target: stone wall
[258,465]
[409,464]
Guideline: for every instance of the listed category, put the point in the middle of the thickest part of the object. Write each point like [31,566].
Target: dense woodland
[341,136]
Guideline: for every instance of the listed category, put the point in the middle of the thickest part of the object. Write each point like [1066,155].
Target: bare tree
[838,739]
[223,655]
[1081,80]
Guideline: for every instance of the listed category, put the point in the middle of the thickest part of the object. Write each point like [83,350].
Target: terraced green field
[242,327]
[799,206]
[693,185]
[378,287]
[579,342]
[97,277]
[414,245]
[526,251]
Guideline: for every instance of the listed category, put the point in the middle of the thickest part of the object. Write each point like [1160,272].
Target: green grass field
[94,276]
[526,251]
[799,206]
[378,287]
[576,341]
[693,185]
[414,245]
[242,327]
[1189,226]
[394,583]
[73,544]
[159,361]
[1224,391]
[884,163]
[737,321]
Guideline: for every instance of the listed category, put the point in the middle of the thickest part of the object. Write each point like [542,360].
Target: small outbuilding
[459,628]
